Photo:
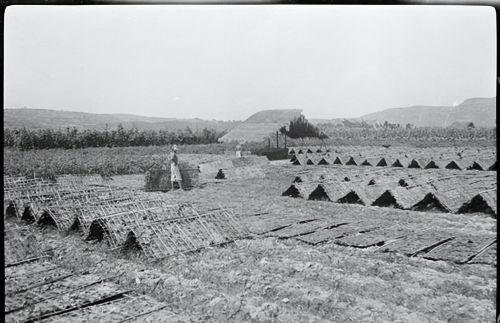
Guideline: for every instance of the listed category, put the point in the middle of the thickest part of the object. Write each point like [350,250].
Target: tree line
[71,138]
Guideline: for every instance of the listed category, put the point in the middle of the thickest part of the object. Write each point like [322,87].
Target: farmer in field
[238,150]
[175,173]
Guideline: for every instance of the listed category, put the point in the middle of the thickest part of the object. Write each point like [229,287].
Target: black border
[490,3]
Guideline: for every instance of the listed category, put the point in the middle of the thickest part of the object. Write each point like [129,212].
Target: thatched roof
[261,125]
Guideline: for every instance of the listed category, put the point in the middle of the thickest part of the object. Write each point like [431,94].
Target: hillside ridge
[481,111]
[47,118]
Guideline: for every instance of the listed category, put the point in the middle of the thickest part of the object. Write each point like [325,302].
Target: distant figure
[175,173]
[238,150]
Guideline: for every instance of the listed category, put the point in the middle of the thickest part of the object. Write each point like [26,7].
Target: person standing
[175,173]
[238,150]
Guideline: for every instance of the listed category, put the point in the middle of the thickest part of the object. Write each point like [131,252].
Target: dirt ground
[267,279]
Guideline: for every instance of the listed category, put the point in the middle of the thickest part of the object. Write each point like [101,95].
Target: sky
[228,62]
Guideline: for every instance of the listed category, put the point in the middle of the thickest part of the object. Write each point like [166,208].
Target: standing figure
[175,173]
[238,150]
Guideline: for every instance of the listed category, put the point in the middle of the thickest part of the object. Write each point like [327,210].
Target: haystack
[351,198]
[12,210]
[431,165]
[366,162]
[302,190]
[28,216]
[323,161]
[430,202]
[397,163]
[292,191]
[453,165]
[414,164]
[475,166]
[220,174]
[387,199]
[351,161]
[484,202]
[319,194]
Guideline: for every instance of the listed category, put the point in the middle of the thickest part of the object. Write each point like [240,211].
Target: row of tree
[69,138]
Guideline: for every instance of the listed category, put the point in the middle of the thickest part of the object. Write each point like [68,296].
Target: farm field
[425,137]
[441,190]
[236,249]
[104,161]
[459,158]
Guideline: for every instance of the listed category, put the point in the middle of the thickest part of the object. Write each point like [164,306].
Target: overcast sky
[228,62]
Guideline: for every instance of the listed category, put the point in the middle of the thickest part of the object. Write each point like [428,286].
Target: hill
[260,125]
[480,111]
[45,118]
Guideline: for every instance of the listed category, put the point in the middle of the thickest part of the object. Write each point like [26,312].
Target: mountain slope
[481,111]
[44,118]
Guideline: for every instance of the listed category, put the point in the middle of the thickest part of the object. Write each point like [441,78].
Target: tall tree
[300,127]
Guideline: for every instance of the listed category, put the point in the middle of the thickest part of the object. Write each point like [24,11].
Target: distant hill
[260,125]
[44,118]
[480,111]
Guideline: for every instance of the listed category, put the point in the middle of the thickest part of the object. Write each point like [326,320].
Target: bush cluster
[69,138]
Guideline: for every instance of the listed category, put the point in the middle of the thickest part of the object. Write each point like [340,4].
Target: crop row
[123,219]
[39,290]
[463,156]
[384,150]
[103,161]
[421,163]
[433,190]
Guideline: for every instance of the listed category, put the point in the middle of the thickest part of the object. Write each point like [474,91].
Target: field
[240,249]
[418,137]
[104,161]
